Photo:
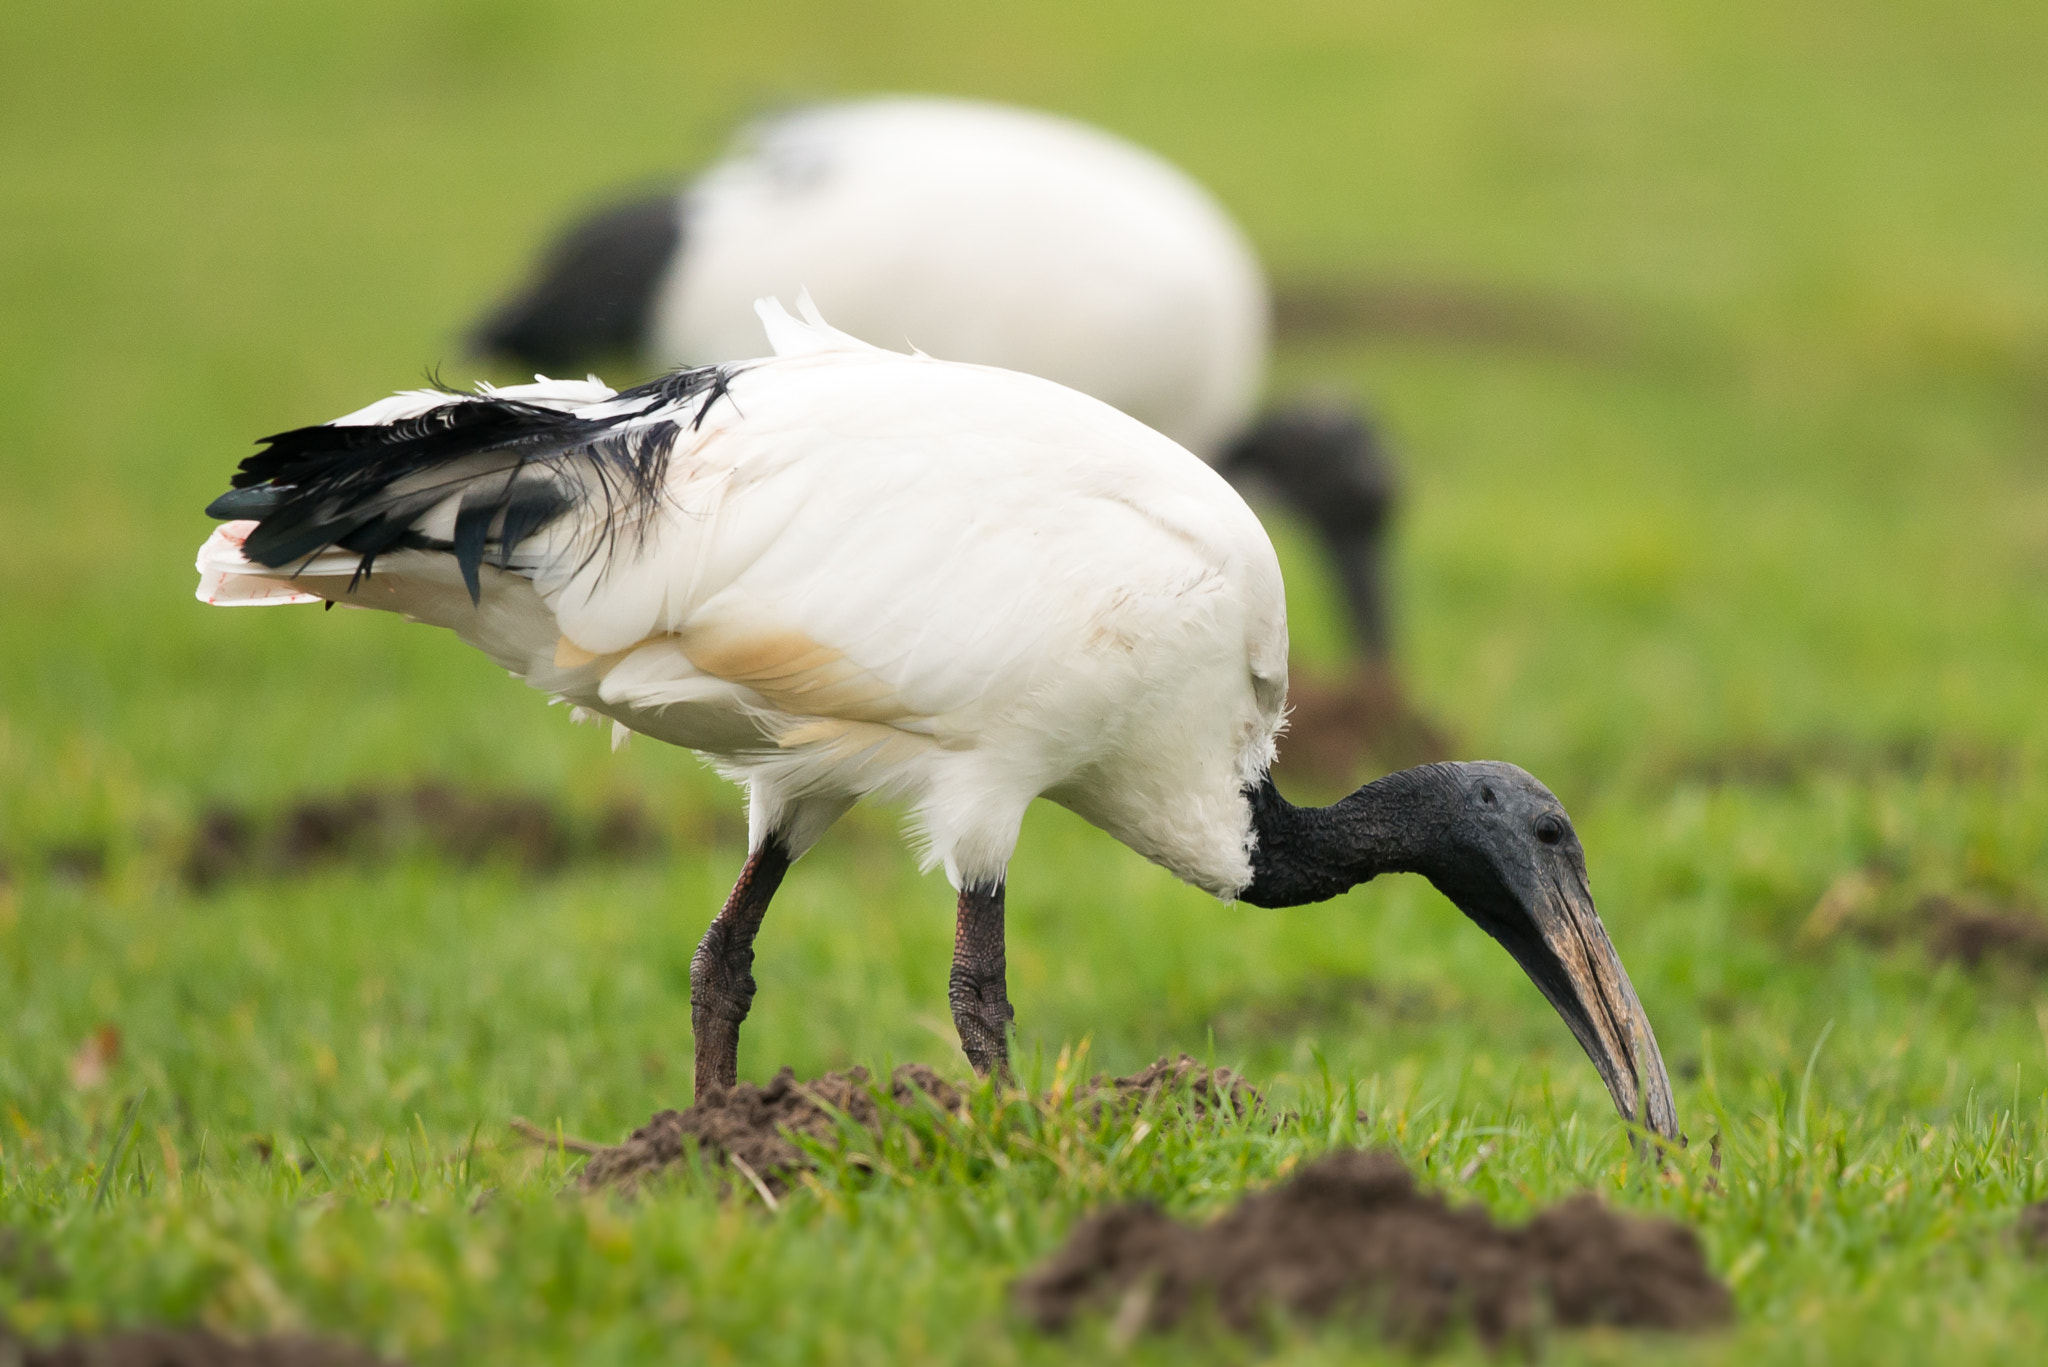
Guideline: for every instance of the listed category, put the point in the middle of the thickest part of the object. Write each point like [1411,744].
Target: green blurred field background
[1757,580]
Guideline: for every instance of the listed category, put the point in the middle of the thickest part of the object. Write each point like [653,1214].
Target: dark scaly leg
[721,971]
[980,996]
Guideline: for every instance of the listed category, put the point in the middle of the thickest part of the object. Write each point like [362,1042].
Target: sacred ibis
[972,232]
[844,572]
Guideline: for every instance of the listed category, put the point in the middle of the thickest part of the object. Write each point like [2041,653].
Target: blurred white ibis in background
[845,572]
[972,232]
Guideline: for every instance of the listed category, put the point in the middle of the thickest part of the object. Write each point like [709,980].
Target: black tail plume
[515,467]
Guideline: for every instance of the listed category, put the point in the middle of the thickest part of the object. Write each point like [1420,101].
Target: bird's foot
[718,1006]
[718,1052]
[983,1020]
[978,987]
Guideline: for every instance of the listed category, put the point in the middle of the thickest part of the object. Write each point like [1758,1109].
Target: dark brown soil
[1781,764]
[1321,1003]
[1350,1235]
[29,1268]
[77,862]
[466,827]
[1208,1091]
[186,1348]
[1445,313]
[1339,729]
[1974,934]
[2032,1230]
[752,1124]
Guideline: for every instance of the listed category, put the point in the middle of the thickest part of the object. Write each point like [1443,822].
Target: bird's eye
[1486,796]
[1549,830]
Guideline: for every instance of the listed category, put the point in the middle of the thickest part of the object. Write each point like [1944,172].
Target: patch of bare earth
[1349,1235]
[1206,1091]
[2032,1229]
[1789,763]
[754,1129]
[1973,932]
[1447,313]
[1976,933]
[1339,728]
[159,1347]
[1324,1002]
[465,826]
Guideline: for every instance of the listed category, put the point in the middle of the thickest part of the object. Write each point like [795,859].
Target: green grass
[1764,596]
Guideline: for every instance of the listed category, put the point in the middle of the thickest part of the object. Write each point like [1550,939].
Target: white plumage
[844,572]
[980,233]
[869,573]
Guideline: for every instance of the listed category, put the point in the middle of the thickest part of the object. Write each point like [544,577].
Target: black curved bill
[1575,965]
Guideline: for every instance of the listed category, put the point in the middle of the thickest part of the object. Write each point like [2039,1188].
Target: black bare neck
[1310,854]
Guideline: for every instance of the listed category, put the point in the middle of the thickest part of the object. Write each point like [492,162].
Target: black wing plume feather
[517,467]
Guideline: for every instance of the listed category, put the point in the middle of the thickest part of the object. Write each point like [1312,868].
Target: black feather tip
[516,467]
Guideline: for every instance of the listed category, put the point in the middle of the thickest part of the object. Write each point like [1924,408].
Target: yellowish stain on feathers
[794,673]
[846,706]
[817,731]
[771,658]
[569,655]
[869,743]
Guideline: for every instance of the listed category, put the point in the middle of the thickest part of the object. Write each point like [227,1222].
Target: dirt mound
[467,827]
[1337,729]
[1350,1234]
[748,1123]
[187,1348]
[2032,1230]
[33,1270]
[1974,933]
[1789,763]
[1217,1091]
[1446,313]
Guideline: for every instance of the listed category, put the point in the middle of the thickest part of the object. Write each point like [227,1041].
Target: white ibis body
[972,232]
[842,572]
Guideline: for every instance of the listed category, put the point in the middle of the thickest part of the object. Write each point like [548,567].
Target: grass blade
[99,1195]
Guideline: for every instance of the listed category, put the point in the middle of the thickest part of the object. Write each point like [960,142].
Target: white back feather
[869,574]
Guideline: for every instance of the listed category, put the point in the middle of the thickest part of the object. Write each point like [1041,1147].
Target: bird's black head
[592,300]
[1498,844]
[1510,860]
[1327,453]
